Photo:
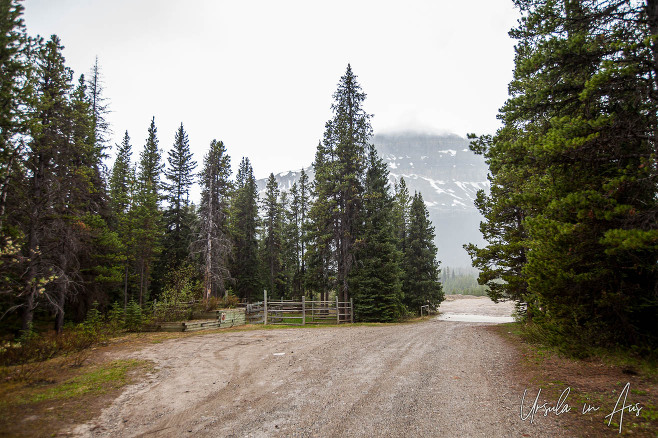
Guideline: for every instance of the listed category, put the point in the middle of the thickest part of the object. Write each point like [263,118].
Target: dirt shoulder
[424,379]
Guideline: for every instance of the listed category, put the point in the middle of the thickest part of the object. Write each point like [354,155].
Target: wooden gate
[290,312]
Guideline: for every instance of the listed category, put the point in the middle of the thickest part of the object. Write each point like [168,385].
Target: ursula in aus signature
[561,406]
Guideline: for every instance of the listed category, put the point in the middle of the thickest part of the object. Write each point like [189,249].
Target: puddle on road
[465,317]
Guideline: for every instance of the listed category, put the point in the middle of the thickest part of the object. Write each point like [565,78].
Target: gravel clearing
[436,378]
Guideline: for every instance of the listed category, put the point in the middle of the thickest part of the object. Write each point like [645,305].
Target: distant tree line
[74,233]
[462,281]
[572,218]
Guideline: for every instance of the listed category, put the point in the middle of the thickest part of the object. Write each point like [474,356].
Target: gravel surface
[436,378]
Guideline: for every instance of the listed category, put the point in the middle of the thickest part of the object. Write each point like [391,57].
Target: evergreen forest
[81,232]
[570,220]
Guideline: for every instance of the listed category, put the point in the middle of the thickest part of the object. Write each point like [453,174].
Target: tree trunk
[28,312]
[125,288]
[208,274]
[141,283]
[4,187]
[59,316]
[652,18]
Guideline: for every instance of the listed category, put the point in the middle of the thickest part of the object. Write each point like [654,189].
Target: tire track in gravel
[425,379]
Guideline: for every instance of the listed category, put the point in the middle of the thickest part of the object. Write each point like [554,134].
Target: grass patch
[61,396]
[596,378]
[96,381]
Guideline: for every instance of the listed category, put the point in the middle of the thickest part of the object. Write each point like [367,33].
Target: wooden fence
[220,318]
[302,312]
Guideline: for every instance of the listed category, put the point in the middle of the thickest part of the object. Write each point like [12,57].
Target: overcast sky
[259,75]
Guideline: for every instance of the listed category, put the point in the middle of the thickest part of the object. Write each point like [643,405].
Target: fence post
[264,307]
[337,311]
[303,310]
[352,310]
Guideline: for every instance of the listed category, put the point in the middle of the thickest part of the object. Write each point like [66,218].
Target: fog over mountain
[448,175]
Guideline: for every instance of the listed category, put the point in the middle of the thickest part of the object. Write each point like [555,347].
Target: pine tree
[303,212]
[375,279]
[292,239]
[320,254]
[50,131]
[339,174]
[73,179]
[214,242]
[120,177]
[501,262]
[99,252]
[421,269]
[571,214]
[295,237]
[15,96]
[177,217]
[122,182]
[99,109]
[69,248]
[272,238]
[147,216]
[401,213]
[244,220]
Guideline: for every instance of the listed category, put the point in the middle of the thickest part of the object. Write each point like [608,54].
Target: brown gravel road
[435,378]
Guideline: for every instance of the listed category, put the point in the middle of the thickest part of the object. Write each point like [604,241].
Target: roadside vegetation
[570,219]
[595,376]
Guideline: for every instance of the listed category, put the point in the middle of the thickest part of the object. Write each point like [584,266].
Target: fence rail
[302,312]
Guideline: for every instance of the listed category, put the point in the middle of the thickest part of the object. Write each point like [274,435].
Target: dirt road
[436,378]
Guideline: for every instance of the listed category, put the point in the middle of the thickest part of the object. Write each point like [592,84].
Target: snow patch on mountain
[448,175]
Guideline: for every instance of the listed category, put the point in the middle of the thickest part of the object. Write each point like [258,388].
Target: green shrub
[116,317]
[134,318]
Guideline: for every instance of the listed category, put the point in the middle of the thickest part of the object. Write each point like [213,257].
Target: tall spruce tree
[122,182]
[304,204]
[99,109]
[50,135]
[100,250]
[244,220]
[401,207]
[15,97]
[293,239]
[340,171]
[120,177]
[320,255]
[421,268]
[69,202]
[295,233]
[272,238]
[69,249]
[178,216]
[376,277]
[147,215]
[214,242]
